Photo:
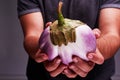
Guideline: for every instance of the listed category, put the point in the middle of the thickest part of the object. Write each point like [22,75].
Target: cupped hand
[54,67]
[81,67]
[40,56]
[96,57]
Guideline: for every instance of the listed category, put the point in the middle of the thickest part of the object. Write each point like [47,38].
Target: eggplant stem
[61,21]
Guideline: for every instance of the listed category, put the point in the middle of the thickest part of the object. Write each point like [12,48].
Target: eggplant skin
[85,43]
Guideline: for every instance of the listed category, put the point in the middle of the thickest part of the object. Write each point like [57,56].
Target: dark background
[13,58]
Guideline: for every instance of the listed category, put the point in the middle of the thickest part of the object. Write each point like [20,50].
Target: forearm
[32,25]
[31,45]
[109,25]
[108,44]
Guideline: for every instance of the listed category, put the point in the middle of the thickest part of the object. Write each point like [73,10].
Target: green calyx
[61,20]
[62,30]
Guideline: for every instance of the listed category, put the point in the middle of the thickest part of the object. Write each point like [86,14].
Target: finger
[78,70]
[48,24]
[58,70]
[52,65]
[40,57]
[97,32]
[69,73]
[83,65]
[96,57]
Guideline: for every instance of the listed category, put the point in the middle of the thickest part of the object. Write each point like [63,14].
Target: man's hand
[54,67]
[96,57]
[32,25]
[40,57]
[81,67]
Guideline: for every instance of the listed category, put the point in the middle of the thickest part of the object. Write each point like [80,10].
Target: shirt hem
[110,6]
[28,11]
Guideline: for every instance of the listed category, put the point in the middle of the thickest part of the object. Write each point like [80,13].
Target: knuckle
[84,74]
[87,70]
[75,68]
[38,60]
[101,60]
[48,68]
[52,75]
[71,76]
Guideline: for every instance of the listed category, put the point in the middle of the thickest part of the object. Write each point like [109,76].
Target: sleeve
[27,6]
[110,4]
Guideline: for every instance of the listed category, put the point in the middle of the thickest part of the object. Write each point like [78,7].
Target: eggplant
[67,38]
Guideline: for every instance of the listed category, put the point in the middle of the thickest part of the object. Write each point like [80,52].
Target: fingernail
[75,60]
[97,34]
[71,67]
[45,57]
[90,56]
[58,61]
[65,71]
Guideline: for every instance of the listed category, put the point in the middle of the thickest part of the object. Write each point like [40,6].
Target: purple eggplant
[66,37]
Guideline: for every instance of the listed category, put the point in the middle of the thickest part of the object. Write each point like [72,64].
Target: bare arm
[109,25]
[32,25]
[108,43]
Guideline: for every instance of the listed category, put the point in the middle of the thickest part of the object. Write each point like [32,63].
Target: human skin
[86,65]
[107,43]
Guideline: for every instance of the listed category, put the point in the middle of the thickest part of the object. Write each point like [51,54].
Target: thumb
[97,32]
[48,24]
[96,57]
[40,57]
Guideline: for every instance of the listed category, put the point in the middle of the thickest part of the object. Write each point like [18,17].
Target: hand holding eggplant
[66,38]
[81,67]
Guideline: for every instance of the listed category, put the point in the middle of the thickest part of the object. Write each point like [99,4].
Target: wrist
[31,45]
[108,44]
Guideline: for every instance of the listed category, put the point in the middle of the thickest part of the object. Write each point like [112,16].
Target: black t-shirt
[84,10]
